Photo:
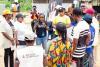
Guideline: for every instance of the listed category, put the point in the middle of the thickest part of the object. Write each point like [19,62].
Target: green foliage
[8,4]
[25,5]
[21,1]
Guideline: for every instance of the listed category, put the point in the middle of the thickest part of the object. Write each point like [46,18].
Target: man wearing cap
[30,56]
[89,49]
[95,24]
[8,32]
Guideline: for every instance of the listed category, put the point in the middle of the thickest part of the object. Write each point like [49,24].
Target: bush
[8,4]
[25,6]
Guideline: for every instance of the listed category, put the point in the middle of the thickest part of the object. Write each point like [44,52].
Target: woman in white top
[20,28]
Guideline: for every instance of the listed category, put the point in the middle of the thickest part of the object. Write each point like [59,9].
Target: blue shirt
[73,23]
[89,48]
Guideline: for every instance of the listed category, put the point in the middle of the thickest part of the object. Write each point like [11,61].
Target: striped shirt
[81,31]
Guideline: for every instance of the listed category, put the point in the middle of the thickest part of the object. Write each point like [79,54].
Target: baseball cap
[19,15]
[6,11]
[61,9]
[90,11]
[88,18]
[58,6]
[29,36]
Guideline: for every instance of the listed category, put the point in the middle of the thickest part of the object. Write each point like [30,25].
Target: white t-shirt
[95,24]
[80,30]
[81,26]
[31,56]
[21,28]
[5,27]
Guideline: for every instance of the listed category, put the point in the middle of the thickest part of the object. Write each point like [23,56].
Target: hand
[71,51]
[12,41]
[17,42]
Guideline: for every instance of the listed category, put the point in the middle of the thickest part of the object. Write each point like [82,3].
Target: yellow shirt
[64,19]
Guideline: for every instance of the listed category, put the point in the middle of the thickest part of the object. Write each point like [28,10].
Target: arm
[35,27]
[88,39]
[3,31]
[68,22]
[54,23]
[44,61]
[15,36]
[74,44]
[75,38]
[7,36]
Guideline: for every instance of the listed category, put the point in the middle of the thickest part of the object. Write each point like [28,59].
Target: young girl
[41,31]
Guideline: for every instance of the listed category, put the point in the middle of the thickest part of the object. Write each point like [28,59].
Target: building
[46,1]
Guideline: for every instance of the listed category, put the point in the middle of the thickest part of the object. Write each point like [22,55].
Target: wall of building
[2,7]
[46,1]
[43,7]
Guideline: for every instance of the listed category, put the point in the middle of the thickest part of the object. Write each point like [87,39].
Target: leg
[77,60]
[82,62]
[91,60]
[6,55]
[16,63]
[11,58]
[44,42]
[38,41]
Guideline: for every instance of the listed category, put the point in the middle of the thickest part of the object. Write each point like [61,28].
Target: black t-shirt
[41,30]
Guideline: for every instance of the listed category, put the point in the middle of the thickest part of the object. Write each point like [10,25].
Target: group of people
[73,35]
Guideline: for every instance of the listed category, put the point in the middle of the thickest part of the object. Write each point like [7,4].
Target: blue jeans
[42,41]
[90,59]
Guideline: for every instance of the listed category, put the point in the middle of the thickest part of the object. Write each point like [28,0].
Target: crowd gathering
[66,39]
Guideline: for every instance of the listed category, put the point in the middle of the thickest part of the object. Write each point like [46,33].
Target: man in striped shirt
[81,38]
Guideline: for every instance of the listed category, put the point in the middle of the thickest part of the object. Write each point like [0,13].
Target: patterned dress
[59,54]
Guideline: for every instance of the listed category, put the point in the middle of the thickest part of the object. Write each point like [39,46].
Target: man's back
[30,56]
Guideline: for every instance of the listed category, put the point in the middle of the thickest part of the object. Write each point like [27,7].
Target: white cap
[58,6]
[30,36]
